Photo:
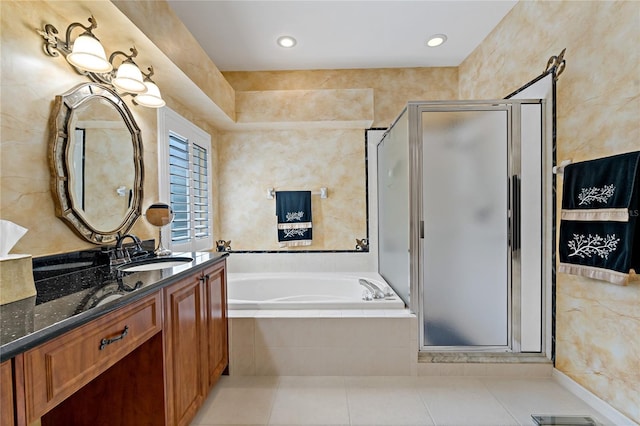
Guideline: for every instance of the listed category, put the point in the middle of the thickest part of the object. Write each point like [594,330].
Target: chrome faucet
[375,291]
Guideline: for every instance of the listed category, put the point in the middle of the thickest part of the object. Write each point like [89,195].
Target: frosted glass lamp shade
[88,55]
[151,98]
[129,78]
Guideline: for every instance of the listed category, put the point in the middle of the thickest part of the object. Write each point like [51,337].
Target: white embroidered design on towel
[600,195]
[291,216]
[289,233]
[592,245]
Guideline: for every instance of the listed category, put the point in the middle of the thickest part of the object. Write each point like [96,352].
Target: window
[185,182]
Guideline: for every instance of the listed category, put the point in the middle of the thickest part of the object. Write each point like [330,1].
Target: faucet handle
[118,256]
[366,294]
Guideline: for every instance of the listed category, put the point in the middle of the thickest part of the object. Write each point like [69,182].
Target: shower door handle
[422,229]
[515,212]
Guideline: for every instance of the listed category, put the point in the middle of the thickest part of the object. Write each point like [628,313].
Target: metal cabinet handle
[105,342]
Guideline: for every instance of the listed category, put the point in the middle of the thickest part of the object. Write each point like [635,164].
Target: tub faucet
[375,291]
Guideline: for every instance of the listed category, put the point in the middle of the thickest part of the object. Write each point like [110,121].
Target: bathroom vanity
[119,348]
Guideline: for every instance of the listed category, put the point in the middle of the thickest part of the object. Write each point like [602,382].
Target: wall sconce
[128,76]
[88,57]
[151,97]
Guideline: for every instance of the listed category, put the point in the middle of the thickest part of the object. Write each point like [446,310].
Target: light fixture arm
[147,77]
[134,53]
[87,30]
[54,46]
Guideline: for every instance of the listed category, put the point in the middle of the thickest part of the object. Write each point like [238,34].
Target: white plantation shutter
[200,195]
[185,180]
[179,187]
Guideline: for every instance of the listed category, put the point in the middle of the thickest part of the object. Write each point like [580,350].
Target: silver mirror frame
[59,146]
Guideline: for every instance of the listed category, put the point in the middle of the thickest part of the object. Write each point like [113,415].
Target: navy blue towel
[599,231]
[293,209]
[602,189]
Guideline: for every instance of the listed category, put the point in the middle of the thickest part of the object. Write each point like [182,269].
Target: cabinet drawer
[58,368]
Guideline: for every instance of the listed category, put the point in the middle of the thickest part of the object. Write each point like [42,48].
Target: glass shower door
[393,207]
[465,248]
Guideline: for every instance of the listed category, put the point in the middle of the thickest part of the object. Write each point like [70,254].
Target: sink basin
[154,264]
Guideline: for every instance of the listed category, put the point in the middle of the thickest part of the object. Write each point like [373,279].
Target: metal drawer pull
[105,342]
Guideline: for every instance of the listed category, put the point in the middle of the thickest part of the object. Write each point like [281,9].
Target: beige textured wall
[29,82]
[598,110]
[393,87]
[295,159]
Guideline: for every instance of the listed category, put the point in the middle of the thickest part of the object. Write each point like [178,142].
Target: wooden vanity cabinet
[185,349]
[59,368]
[7,401]
[152,361]
[215,279]
[195,340]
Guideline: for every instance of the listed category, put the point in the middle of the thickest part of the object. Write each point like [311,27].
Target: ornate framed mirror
[95,157]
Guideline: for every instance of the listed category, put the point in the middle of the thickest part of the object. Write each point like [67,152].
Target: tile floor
[388,401]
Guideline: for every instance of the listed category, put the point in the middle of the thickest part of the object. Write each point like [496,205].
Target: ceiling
[241,35]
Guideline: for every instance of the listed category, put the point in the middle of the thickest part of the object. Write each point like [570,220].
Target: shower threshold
[482,357]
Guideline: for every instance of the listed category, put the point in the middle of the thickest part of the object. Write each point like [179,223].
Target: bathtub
[302,290]
[316,324]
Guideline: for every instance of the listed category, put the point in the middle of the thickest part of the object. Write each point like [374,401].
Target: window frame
[169,122]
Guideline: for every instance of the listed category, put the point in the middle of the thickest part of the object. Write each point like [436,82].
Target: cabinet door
[6,394]
[216,288]
[185,325]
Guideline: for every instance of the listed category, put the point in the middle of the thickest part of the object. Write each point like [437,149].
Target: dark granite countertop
[80,289]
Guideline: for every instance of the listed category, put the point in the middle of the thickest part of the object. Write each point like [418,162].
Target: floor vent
[552,420]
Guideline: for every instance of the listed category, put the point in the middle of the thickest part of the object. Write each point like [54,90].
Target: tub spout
[375,291]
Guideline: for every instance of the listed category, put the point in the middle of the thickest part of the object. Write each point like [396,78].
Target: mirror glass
[96,163]
[102,171]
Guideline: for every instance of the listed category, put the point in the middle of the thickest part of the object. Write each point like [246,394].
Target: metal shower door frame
[514,139]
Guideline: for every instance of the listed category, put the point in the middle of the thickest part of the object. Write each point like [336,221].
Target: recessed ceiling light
[436,40]
[286,41]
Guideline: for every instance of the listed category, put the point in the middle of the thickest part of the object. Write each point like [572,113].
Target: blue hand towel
[293,209]
[599,231]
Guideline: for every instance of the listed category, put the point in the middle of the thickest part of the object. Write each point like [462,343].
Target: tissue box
[16,278]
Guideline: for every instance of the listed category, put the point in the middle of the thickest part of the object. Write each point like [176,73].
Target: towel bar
[557,170]
[323,193]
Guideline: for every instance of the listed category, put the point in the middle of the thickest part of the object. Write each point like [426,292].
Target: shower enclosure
[464,221]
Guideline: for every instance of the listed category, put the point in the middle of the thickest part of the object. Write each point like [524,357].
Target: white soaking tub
[302,290]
